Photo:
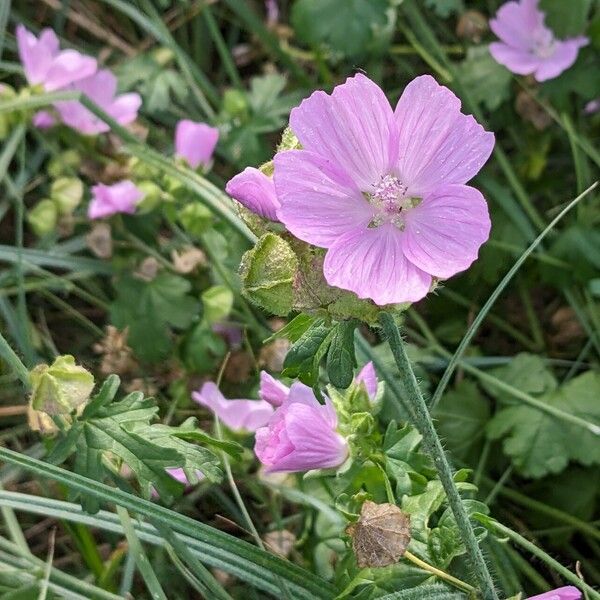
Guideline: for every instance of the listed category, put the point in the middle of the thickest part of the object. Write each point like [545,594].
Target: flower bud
[67,193]
[235,103]
[195,218]
[288,141]
[63,164]
[42,218]
[60,388]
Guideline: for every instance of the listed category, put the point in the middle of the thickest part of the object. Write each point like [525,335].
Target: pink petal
[371,263]
[67,67]
[515,22]
[43,119]
[353,126]
[195,142]
[564,56]
[108,200]
[238,415]
[319,201]
[516,60]
[568,592]
[368,377]
[36,55]
[255,191]
[124,109]
[438,144]
[179,475]
[272,390]
[444,232]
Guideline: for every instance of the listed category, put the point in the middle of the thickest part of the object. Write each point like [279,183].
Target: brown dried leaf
[380,536]
[188,259]
[280,542]
[99,240]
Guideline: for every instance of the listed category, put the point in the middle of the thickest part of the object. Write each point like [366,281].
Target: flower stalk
[433,445]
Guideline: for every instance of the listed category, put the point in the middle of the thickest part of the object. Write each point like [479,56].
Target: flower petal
[35,54]
[515,22]
[516,60]
[353,126]
[438,143]
[564,56]
[195,142]
[368,377]
[319,201]
[371,263]
[67,67]
[255,191]
[272,390]
[444,232]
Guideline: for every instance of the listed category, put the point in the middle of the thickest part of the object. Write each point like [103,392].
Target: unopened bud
[235,103]
[289,141]
[42,218]
[60,388]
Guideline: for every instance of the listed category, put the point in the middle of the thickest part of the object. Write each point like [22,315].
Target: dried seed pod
[380,536]
[472,25]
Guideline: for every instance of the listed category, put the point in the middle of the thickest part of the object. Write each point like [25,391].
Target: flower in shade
[195,142]
[45,64]
[255,191]
[178,474]
[301,435]
[384,191]
[564,593]
[238,415]
[108,200]
[593,106]
[368,377]
[527,46]
[101,88]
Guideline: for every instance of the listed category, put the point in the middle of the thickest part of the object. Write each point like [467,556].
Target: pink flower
[101,88]
[43,120]
[46,64]
[527,46]
[238,415]
[108,200]
[178,474]
[255,191]
[368,376]
[195,142]
[301,435]
[384,191]
[272,390]
[564,593]
[593,106]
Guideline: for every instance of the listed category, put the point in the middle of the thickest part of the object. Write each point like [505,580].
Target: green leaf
[486,81]
[294,329]
[217,302]
[566,19]
[348,27]
[300,359]
[445,8]
[461,417]
[341,356]
[425,592]
[202,349]
[150,309]
[540,444]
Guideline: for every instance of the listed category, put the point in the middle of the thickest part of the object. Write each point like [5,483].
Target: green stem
[433,444]
[461,585]
[14,362]
[517,538]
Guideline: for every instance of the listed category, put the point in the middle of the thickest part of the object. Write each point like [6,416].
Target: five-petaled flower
[384,191]
[527,46]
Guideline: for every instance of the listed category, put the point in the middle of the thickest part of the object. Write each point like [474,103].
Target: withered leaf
[380,536]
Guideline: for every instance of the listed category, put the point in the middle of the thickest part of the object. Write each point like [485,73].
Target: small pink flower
[45,64]
[255,191]
[384,191]
[101,88]
[43,120]
[271,390]
[564,593]
[178,474]
[301,435]
[195,142]
[108,200]
[593,106]
[238,415]
[368,376]
[527,46]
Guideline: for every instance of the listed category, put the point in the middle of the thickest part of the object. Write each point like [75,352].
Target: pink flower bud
[368,376]
[43,120]
[238,415]
[301,435]
[108,200]
[563,593]
[271,390]
[195,142]
[255,191]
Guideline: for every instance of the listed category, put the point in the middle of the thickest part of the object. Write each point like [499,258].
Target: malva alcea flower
[101,88]
[527,46]
[195,142]
[301,435]
[564,593]
[238,415]
[45,64]
[254,190]
[108,200]
[384,191]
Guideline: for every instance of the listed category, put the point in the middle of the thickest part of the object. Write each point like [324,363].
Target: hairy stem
[461,585]
[433,445]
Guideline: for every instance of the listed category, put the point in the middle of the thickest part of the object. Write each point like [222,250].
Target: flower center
[544,44]
[390,200]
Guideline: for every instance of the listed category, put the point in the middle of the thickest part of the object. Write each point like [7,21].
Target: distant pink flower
[564,593]
[301,435]
[43,120]
[527,46]
[231,333]
[593,106]
[101,88]
[179,475]
[238,415]
[255,191]
[45,64]
[368,376]
[384,191]
[271,390]
[108,200]
[195,142]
